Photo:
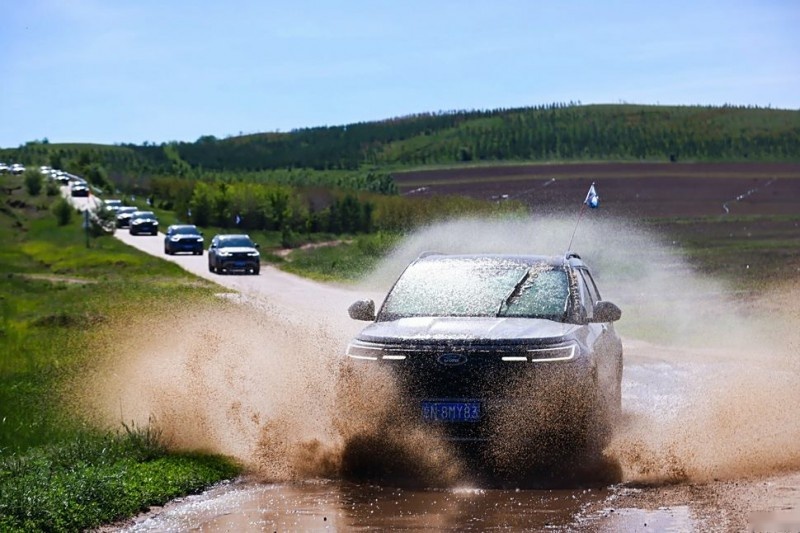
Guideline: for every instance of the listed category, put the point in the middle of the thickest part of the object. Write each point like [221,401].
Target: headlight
[372,352]
[223,253]
[174,238]
[253,254]
[563,352]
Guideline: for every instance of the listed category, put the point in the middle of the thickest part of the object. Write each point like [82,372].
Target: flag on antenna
[592,198]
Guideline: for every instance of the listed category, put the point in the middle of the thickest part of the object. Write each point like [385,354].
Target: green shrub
[52,188]
[63,211]
[33,181]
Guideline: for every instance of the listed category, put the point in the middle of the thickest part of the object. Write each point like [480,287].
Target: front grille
[423,375]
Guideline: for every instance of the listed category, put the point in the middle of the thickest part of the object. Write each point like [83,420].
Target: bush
[52,188]
[63,211]
[33,181]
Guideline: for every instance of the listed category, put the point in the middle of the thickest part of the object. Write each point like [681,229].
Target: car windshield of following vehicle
[235,242]
[184,230]
[457,287]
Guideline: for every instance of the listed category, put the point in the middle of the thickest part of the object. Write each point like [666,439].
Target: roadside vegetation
[57,472]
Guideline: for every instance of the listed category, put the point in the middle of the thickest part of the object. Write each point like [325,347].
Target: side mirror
[606,312]
[258,245]
[362,310]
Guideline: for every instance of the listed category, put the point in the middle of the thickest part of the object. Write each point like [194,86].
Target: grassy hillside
[557,132]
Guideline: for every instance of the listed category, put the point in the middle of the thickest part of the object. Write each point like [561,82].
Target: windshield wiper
[514,292]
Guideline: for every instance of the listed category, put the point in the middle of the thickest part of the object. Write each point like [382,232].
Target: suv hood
[496,330]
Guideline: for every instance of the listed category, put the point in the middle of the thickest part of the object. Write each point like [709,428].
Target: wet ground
[708,443]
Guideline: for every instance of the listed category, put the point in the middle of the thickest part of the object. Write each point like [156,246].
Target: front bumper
[544,398]
[239,265]
[143,228]
[185,246]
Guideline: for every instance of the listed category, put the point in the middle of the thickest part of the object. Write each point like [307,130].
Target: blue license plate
[452,411]
[239,264]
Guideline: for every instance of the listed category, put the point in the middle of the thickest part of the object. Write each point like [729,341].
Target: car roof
[571,258]
[233,236]
[144,213]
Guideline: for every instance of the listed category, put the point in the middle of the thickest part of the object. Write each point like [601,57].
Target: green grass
[57,473]
[94,479]
[344,262]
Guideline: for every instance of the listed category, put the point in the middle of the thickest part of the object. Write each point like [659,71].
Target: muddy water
[708,441]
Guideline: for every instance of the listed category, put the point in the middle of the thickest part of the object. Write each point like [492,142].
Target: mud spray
[711,388]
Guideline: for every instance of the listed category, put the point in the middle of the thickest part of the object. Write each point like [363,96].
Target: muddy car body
[483,345]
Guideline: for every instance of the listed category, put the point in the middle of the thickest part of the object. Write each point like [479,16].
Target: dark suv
[143,222]
[233,253]
[183,238]
[498,348]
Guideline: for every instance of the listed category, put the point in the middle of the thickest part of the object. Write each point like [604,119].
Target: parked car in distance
[4,168]
[17,168]
[79,190]
[123,215]
[488,346]
[143,222]
[183,238]
[233,253]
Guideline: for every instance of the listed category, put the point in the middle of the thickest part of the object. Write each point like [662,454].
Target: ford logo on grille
[452,359]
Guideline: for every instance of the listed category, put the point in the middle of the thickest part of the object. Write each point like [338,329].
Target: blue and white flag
[238,220]
[592,198]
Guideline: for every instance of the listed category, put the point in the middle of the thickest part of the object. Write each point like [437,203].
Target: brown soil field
[739,220]
[650,190]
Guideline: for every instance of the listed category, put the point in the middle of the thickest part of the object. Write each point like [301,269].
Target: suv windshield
[241,242]
[186,230]
[489,287]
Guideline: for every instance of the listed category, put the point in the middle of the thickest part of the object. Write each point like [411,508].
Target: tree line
[555,132]
[292,210]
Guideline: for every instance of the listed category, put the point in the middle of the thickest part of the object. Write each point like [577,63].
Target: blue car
[183,238]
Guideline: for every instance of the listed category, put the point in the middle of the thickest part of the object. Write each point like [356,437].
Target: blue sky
[113,71]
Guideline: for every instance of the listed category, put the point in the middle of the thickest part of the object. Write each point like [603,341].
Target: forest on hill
[552,133]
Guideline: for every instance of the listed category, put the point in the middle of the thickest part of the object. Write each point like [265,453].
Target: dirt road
[708,441]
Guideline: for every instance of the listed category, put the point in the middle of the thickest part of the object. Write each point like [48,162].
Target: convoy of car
[475,340]
[233,253]
[183,238]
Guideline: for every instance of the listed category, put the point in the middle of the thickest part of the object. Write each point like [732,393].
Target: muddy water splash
[266,388]
[710,389]
[712,380]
